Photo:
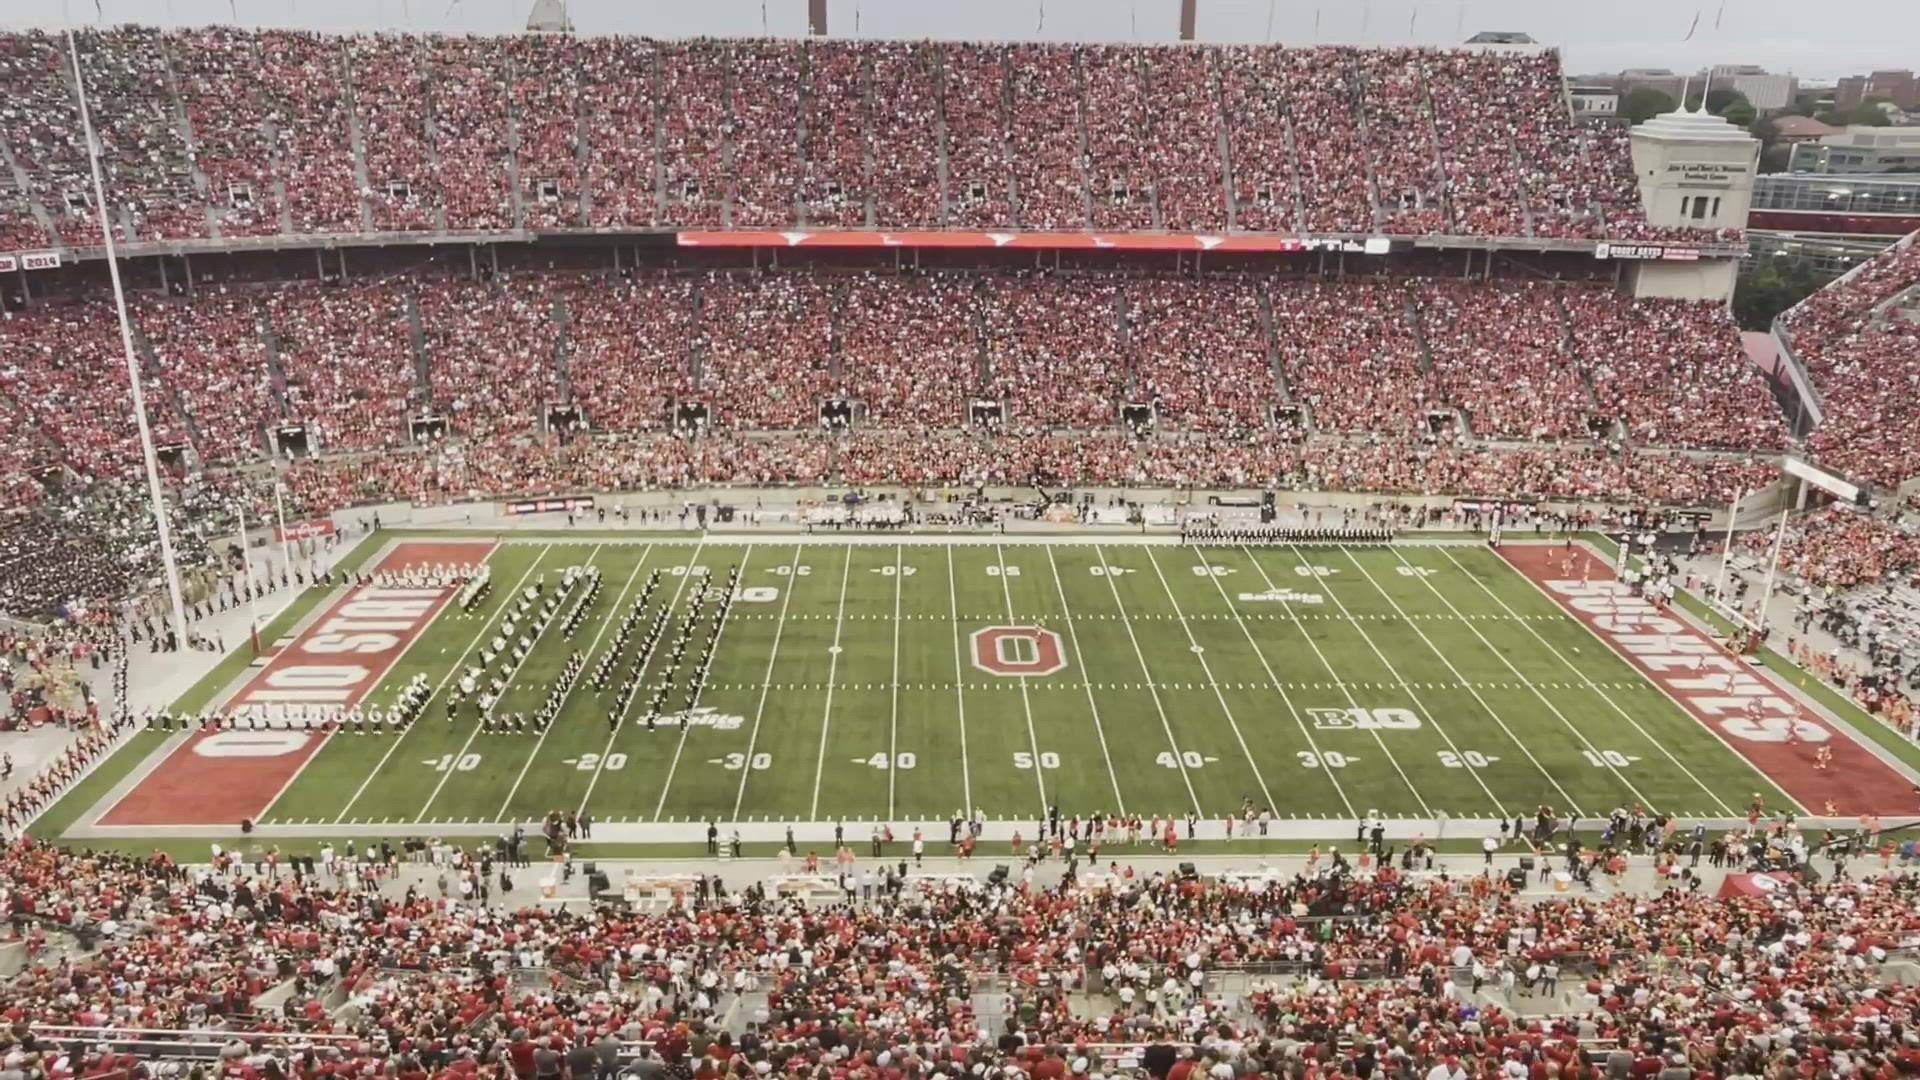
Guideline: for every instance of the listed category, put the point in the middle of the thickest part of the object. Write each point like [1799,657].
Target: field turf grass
[844,687]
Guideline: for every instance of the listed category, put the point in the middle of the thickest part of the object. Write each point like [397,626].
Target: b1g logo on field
[1017,650]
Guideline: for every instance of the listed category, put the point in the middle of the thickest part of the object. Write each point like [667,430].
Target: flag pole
[1773,564]
[280,515]
[154,496]
[246,564]
[1726,552]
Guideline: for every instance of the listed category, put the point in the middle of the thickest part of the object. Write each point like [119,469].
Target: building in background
[1766,92]
[1668,82]
[1593,101]
[1859,150]
[1899,87]
[1800,129]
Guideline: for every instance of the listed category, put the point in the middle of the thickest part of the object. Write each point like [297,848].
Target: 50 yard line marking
[605,622]
[1278,686]
[486,625]
[600,766]
[1033,737]
[766,682]
[680,746]
[1086,683]
[833,668]
[960,683]
[512,673]
[1207,670]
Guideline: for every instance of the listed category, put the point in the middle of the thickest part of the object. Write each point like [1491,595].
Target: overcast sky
[1812,40]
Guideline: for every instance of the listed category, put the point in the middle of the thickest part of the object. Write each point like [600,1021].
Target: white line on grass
[1333,674]
[1608,698]
[1207,670]
[600,765]
[1033,737]
[1080,660]
[766,683]
[960,685]
[1166,725]
[1435,649]
[393,745]
[681,745]
[893,726]
[1274,680]
[554,721]
[1529,684]
[833,665]
[512,672]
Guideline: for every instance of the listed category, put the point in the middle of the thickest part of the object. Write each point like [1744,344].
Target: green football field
[851,681]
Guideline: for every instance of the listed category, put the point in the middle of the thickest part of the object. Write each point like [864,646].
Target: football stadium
[598,550]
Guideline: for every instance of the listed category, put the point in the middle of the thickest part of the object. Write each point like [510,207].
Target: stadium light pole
[154,494]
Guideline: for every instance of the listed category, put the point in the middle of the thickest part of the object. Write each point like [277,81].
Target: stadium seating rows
[1389,359]
[1715,986]
[1866,367]
[226,133]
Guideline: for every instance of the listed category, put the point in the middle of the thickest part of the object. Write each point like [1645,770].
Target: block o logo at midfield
[1017,650]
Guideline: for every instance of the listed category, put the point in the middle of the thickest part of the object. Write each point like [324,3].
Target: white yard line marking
[1444,659]
[680,746]
[1529,684]
[1026,703]
[600,765]
[606,621]
[893,722]
[512,673]
[833,666]
[766,682]
[1616,705]
[380,765]
[1274,679]
[1079,659]
[960,685]
[1166,724]
[1207,670]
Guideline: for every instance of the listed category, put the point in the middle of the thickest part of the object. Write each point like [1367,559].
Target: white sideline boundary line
[1166,724]
[445,678]
[1572,804]
[1079,657]
[605,622]
[1333,673]
[1207,670]
[680,746]
[1279,687]
[1591,685]
[474,733]
[1026,703]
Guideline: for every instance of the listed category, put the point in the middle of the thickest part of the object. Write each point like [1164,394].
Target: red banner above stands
[1043,241]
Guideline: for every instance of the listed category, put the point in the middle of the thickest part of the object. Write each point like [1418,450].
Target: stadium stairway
[1217,92]
[1433,126]
[357,140]
[182,123]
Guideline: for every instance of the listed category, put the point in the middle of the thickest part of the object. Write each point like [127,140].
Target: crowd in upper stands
[228,133]
[1862,351]
[1393,965]
[1840,548]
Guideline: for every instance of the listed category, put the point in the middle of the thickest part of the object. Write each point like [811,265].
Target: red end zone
[219,778]
[1721,691]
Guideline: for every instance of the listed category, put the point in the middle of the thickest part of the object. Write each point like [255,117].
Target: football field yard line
[606,621]
[833,666]
[893,722]
[1086,680]
[1651,806]
[680,745]
[1380,655]
[960,685]
[1345,690]
[485,625]
[1166,724]
[1414,625]
[600,763]
[512,673]
[1274,679]
[1597,688]
[1207,670]
[766,682]
[1033,736]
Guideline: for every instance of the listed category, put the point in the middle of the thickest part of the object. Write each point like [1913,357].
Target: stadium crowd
[1778,982]
[554,132]
[1840,548]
